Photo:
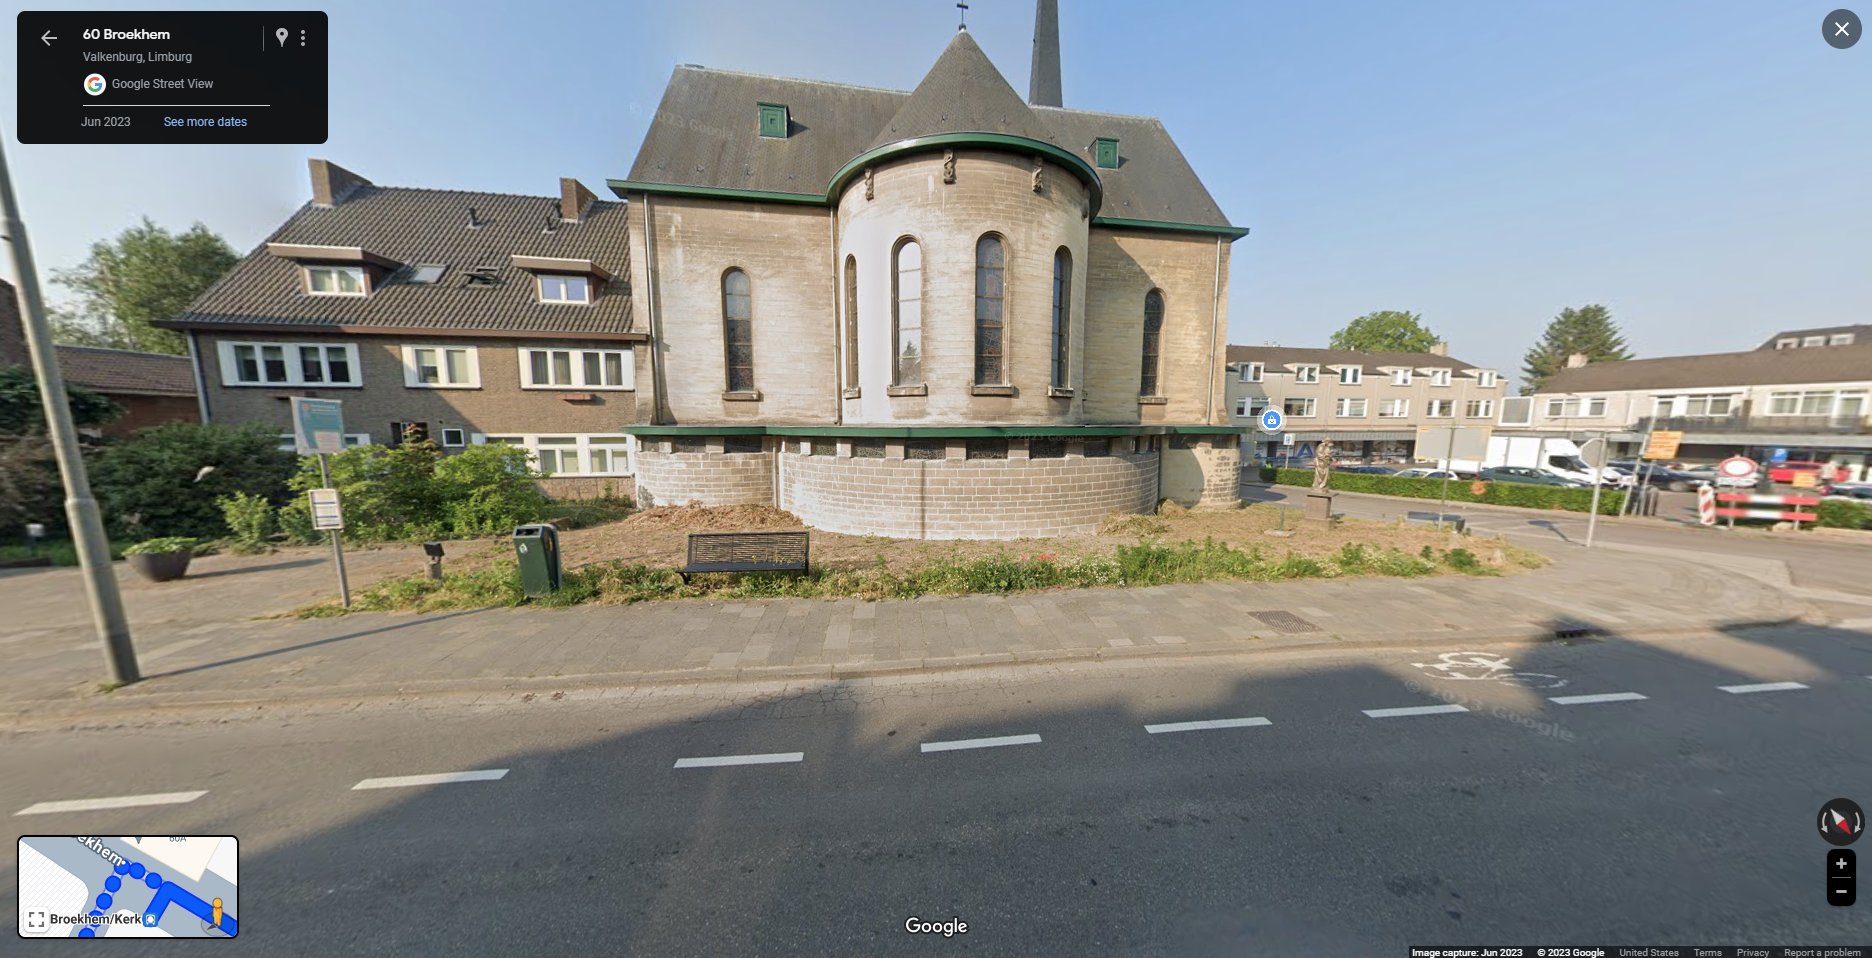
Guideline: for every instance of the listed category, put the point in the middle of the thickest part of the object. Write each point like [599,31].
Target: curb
[158,705]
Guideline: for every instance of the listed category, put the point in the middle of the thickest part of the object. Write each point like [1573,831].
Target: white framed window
[1813,341]
[1441,408]
[572,454]
[1250,407]
[1710,406]
[1788,343]
[1351,407]
[1440,377]
[1840,339]
[576,369]
[1818,402]
[554,288]
[1393,408]
[352,440]
[336,281]
[1480,409]
[441,367]
[1351,375]
[1487,378]
[1574,407]
[1251,372]
[1400,377]
[1302,408]
[1306,374]
[289,364]
[452,438]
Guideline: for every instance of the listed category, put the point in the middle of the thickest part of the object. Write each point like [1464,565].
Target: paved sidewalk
[507,652]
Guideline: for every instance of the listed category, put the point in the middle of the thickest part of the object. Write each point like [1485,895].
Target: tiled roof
[705,134]
[1861,334]
[1274,356]
[418,226]
[123,372]
[1753,368]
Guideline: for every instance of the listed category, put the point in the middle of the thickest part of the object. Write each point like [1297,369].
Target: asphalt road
[1831,564]
[1687,814]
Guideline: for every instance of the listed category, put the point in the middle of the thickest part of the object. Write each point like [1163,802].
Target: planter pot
[160,566]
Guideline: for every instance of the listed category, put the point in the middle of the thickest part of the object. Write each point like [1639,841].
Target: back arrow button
[48,38]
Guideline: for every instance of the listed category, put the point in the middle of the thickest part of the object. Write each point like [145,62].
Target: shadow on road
[270,567]
[413,620]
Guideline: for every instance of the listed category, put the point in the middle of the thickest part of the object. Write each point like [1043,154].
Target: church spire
[1043,84]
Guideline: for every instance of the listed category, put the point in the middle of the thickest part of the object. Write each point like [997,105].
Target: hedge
[1844,515]
[1524,494]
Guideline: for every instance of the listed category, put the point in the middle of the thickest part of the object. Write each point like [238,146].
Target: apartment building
[1369,404]
[1807,393]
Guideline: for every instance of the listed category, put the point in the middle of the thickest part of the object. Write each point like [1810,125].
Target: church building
[946,313]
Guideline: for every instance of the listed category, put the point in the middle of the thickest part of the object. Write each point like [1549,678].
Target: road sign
[1777,456]
[326,513]
[1805,480]
[1272,420]
[1737,467]
[1663,444]
[1287,439]
[318,425]
[1438,443]
[1596,452]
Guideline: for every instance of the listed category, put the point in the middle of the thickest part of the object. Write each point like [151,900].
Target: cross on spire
[962,5]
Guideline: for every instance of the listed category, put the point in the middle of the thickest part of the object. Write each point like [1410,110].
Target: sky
[1702,169]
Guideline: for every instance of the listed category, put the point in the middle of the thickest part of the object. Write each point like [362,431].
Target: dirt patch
[696,518]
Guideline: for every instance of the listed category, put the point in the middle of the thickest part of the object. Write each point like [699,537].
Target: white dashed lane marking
[443,778]
[1762,687]
[714,761]
[122,801]
[1207,724]
[1595,699]
[981,743]
[1415,710]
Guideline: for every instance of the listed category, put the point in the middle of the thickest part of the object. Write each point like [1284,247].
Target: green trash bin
[537,547]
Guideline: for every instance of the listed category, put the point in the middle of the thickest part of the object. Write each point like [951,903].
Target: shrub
[487,489]
[29,487]
[251,519]
[413,492]
[147,485]
[1522,494]
[163,545]
[1839,514]
[295,521]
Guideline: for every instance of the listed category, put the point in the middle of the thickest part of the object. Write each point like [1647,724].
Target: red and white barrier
[1766,507]
[1706,505]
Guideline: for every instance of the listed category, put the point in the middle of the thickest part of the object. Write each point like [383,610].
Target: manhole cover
[1281,621]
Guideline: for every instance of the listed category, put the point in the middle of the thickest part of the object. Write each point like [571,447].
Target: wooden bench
[746,552]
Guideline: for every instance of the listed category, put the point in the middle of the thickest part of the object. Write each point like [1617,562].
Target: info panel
[191,77]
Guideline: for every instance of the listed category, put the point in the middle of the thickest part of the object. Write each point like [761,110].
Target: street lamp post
[107,614]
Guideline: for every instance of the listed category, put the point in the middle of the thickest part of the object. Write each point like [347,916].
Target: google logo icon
[94,84]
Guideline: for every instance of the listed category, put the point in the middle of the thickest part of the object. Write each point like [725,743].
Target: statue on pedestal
[1322,465]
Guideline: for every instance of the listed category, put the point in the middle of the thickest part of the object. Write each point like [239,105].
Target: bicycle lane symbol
[1486,667]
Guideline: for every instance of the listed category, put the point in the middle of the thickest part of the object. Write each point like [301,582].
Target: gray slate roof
[1275,356]
[126,373]
[705,134]
[417,226]
[1753,368]
[1861,334]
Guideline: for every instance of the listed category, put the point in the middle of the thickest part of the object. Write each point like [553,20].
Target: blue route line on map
[169,893]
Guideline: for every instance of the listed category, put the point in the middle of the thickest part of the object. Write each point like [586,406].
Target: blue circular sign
[1271,420]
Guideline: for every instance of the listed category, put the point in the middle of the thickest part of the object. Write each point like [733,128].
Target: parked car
[1660,475]
[1533,477]
[1857,492]
[1422,473]
[1367,470]
[1785,471]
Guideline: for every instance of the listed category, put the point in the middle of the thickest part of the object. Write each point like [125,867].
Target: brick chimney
[1577,360]
[12,330]
[573,198]
[1440,349]
[331,183]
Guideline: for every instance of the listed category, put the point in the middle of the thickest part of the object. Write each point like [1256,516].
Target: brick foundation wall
[1205,473]
[966,499]
[588,487]
[712,479]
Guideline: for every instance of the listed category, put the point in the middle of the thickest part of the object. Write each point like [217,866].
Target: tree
[22,414]
[1386,331]
[145,274]
[1588,330]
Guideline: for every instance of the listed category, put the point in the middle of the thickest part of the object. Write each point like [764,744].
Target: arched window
[1153,341]
[738,330]
[907,314]
[990,295]
[851,322]
[1062,316]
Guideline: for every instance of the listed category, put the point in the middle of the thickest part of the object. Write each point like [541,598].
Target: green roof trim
[919,144]
[622,187]
[1232,232]
[933,432]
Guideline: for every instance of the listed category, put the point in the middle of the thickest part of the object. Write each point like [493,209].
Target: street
[1658,791]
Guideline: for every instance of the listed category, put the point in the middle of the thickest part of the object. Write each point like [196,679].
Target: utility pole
[107,614]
